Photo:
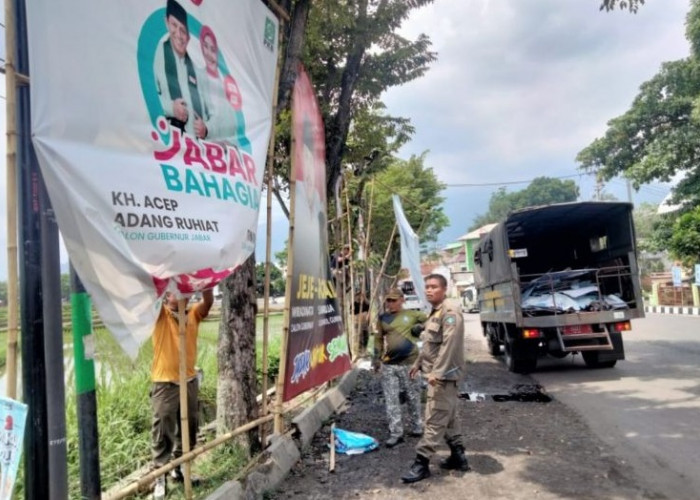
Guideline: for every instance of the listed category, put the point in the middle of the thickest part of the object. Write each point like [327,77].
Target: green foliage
[277,280]
[685,241]
[632,5]
[541,191]
[65,287]
[420,193]
[659,136]
[3,293]
[353,54]
[653,230]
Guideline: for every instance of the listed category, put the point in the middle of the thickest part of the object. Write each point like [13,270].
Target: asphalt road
[648,406]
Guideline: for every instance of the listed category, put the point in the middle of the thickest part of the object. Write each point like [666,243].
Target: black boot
[457,460]
[419,470]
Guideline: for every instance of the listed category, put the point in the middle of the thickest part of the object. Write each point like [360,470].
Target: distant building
[464,277]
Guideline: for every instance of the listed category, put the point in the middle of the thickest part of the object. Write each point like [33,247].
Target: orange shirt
[166,342]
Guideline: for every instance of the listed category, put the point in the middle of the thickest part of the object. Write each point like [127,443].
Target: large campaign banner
[151,120]
[317,347]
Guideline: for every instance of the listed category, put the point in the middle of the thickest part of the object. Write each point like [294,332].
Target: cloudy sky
[520,86]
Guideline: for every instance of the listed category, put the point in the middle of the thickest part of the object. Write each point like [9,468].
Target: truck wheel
[518,365]
[493,345]
[592,361]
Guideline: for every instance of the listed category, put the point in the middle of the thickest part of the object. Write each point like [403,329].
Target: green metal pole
[84,350]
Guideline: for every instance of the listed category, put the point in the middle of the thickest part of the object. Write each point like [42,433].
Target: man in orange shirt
[166,433]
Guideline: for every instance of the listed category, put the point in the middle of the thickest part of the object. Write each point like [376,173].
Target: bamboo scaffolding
[184,416]
[268,237]
[278,10]
[279,396]
[381,269]
[144,481]
[11,172]
[353,332]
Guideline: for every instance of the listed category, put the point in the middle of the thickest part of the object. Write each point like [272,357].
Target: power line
[486,184]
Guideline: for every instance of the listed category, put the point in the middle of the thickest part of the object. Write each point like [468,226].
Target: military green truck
[557,280]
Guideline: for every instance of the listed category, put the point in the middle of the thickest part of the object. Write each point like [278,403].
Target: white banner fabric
[410,250]
[151,121]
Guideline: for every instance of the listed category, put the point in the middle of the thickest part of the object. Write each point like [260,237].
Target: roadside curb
[285,451]
[684,310]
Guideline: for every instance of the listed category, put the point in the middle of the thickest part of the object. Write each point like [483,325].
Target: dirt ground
[517,450]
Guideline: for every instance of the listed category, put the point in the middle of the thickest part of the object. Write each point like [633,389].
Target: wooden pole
[331,467]
[11,172]
[268,236]
[354,333]
[365,321]
[381,269]
[279,396]
[144,481]
[184,427]
[343,270]
[277,8]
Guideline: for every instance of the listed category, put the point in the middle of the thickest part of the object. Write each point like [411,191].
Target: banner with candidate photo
[317,347]
[151,121]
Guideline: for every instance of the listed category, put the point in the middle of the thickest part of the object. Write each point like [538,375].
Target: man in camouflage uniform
[395,351]
[441,360]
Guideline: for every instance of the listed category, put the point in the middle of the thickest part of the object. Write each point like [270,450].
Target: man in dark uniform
[441,361]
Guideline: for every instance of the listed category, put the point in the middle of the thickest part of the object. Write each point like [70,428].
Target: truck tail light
[622,326]
[531,333]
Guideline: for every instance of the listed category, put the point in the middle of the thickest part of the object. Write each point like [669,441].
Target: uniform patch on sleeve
[450,320]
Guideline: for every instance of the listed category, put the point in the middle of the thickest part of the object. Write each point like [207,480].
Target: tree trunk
[339,126]
[237,384]
[296,34]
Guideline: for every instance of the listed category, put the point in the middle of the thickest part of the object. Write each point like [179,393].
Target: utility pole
[84,351]
[36,460]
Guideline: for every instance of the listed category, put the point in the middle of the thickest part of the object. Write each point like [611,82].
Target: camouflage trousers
[394,380]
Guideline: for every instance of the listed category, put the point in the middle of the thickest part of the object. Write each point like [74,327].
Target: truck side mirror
[477,256]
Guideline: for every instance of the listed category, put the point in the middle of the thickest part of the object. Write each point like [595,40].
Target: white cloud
[520,87]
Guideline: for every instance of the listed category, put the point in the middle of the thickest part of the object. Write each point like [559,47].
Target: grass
[124,409]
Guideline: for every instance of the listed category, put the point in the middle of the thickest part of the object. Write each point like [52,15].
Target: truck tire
[592,361]
[493,344]
[518,364]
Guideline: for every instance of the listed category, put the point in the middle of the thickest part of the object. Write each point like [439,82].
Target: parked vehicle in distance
[469,300]
[412,302]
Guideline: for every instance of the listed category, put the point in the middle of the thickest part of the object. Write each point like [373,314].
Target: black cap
[172,8]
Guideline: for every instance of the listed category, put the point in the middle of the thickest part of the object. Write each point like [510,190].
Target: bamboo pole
[277,8]
[363,287]
[184,427]
[354,333]
[343,268]
[369,222]
[381,269]
[11,172]
[279,396]
[144,481]
[268,240]
[331,467]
